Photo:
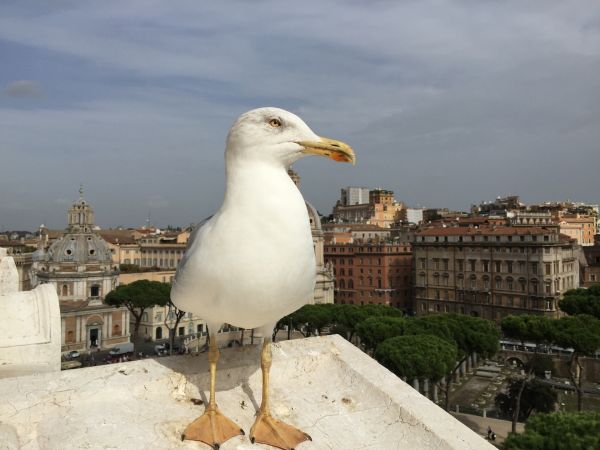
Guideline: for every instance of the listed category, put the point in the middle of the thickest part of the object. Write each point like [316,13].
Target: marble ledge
[327,387]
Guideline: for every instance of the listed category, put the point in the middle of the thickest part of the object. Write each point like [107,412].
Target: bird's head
[277,136]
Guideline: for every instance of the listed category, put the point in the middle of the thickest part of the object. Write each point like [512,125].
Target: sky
[447,103]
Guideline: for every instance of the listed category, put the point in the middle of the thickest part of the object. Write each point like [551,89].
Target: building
[355,232]
[353,195]
[493,272]
[80,266]
[591,268]
[579,227]
[324,285]
[531,219]
[379,273]
[162,251]
[381,210]
[412,215]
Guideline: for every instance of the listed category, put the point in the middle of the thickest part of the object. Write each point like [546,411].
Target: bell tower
[80,216]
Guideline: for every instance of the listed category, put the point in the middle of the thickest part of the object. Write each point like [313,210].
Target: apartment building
[378,273]
[493,272]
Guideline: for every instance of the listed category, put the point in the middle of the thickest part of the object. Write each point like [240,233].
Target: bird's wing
[190,244]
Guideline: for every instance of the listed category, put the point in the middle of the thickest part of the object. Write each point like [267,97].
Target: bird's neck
[260,184]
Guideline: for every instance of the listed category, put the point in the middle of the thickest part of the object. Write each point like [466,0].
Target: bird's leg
[212,427]
[266,429]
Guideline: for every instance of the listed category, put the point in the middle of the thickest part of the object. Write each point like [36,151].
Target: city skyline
[446,103]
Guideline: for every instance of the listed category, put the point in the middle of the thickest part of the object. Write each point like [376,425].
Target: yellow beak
[336,150]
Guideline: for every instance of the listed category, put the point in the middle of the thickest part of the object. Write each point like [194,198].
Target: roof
[118,236]
[485,231]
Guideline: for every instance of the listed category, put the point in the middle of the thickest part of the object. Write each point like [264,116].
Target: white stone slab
[30,334]
[325,386]
[9,276]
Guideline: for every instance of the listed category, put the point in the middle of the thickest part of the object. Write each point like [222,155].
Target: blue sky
[446,102]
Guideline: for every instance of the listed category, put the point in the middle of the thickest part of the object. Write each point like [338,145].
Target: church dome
[313,215]
[80,248]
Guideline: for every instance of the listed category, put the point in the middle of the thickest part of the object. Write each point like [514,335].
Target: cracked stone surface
[325,386]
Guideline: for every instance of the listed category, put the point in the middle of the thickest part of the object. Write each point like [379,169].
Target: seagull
[253,261]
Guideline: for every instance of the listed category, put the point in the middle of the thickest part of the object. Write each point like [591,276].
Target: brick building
[379,273]
[591,270]
[493,272]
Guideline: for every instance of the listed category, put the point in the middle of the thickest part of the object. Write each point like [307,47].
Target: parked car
[73,354]
[121,349]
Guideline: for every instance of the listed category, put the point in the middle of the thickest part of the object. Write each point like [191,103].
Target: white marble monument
[30,333]
[340,396]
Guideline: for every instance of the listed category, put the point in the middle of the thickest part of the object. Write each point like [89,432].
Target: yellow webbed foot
[212,428]
[267,430]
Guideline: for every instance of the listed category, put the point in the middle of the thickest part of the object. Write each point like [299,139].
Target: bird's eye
[275,123]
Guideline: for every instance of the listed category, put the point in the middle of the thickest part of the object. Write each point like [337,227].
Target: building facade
[379,273]
[493,272]
[354,195]
[80,266]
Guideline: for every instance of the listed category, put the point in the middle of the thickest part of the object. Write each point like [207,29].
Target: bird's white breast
[253,262]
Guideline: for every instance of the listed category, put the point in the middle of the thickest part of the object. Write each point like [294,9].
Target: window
[509,266]
[498,265]
[534,268]
[181,331]
[498,283]
[486,266]
[509,283]
[472,265]
[445,264]
[460,262]
[548,267]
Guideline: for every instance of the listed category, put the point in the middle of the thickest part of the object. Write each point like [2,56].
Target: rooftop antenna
[80,191]
[148,221]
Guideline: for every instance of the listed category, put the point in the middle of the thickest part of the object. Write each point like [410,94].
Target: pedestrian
[489,432]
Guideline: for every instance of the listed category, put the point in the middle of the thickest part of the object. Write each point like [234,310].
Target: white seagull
[253,261]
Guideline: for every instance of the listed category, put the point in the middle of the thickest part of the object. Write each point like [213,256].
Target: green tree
[557,431]
[470,335]
[417,356]
[348,317]
[582,301]
[527,328]
[536,396]
[374,330]
[582,334]
[139,296]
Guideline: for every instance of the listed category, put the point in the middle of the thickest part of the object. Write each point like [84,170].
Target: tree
[582,301]
[312,319]
[582,334]
[470,335]
[417,356]
[534,396]
[374,330]
[175,314]
[348,317]
[139,296]
[557,431]
[527,328]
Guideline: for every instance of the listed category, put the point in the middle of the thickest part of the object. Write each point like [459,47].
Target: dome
[39,255]
[313,215]
[79,248]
